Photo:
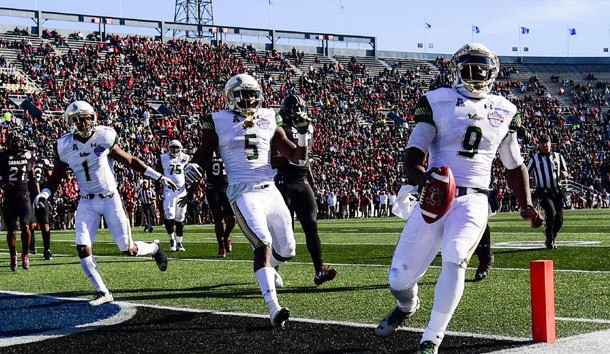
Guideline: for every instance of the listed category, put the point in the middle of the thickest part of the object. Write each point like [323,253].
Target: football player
[461,127]
[216,193]
[246,134]
[295,183]
[87,151]
[172,163]
[42,171]
[17,171]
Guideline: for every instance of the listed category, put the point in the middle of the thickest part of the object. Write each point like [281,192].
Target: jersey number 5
[471,141]
[252,146]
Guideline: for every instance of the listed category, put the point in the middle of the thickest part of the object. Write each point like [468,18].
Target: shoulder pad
[423,111]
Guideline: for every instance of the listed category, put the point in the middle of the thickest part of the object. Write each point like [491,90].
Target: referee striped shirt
[547,169]
[147,195]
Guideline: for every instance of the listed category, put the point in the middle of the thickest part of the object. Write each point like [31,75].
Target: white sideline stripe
[588,343]
[126,313]
[577,319]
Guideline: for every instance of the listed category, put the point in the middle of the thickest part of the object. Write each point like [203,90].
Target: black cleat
[47,255]
[550,244]
[279,317]
[160,257]
[483,269]
[324,275]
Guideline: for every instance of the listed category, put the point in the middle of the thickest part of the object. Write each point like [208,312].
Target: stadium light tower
[198,12]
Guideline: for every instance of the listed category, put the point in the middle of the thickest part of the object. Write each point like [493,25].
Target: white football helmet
[474,69]
[244,94]
[81,118]
[174,147]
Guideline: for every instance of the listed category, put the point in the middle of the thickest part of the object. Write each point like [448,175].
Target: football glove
[168,183]
[39,201]
[183,201]
[530,213]
[193,173]
[301,122]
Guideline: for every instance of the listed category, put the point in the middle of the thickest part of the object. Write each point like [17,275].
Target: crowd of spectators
[357,149]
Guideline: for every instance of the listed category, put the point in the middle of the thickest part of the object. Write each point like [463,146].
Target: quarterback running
[87,151]
[461,127]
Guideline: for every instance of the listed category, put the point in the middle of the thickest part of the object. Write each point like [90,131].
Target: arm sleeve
[509,152]
[422,136]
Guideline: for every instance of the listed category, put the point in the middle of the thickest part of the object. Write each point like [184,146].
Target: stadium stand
[152,92]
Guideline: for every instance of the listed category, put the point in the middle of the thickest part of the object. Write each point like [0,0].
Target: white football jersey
[468,132]
[173,167]
[246,151]
[89,160]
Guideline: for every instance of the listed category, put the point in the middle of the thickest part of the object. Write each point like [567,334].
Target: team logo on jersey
[474,116]
[495,118]
[263,123]
[83,154]
[99,150]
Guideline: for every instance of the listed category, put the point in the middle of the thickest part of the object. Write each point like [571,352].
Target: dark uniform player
[17,170]
[42,170]
[294,182]
[222,213]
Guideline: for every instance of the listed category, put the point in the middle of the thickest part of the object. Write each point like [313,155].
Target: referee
[147,198]
[548,168]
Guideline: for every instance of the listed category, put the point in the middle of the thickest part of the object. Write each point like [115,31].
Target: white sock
[447,296]
[172,236]
[90,268]
[179,239]
[266,281]
[145,248]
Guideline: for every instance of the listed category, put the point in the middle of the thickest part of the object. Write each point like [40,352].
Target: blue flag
[572,31]
[428,26]
[525,30]
[476,29]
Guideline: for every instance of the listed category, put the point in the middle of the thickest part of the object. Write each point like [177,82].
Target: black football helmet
[293,106]
[15,142]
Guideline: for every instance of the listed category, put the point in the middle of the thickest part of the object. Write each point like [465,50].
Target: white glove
[168,183]
[193,173]
[41,198]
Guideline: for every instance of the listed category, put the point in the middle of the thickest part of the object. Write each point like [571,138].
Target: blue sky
[398,25]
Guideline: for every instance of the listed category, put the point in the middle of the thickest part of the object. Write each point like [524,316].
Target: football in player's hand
[438,191]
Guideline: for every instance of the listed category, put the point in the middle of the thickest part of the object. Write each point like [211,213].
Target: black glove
[183,201]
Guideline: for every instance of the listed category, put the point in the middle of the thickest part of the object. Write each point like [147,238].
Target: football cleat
[222,253]
[13,263]
[324,275]
[393,320]
[172,245]
[228,246]
[427,347]
[160,257]
[47,255]
[101,298]
[179,247]
[25,262]
[279,282]
[279,317]
[550,244]
[32,249]
[483,269]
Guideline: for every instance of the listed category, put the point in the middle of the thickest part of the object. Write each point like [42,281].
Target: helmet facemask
[293,108]
[474,68]
[81,118]
[174,148]
[244,95]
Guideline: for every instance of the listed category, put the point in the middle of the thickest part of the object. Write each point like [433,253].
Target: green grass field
[361,250]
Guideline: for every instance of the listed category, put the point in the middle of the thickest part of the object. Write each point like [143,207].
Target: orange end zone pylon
[542,280]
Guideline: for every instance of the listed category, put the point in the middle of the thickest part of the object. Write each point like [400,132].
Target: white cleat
[101,298]
[279,282]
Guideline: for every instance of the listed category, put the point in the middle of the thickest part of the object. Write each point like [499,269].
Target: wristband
[303,139]
[47,192]
[152,173]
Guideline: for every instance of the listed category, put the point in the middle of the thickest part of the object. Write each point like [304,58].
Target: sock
[179,239]
[447,296]
[274,261]
[406,299]
[90,268]
[266,281]
[145,248]
[172,236]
